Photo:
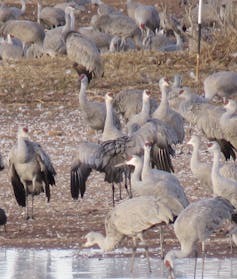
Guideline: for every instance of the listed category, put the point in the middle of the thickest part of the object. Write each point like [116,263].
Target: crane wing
[17,185]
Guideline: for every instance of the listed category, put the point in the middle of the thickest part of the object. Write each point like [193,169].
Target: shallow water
[72,264]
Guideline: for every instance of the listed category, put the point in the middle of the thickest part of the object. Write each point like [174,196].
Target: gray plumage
[50,16]
[119,25]
[105,156]
[155,41]
[94,112]
[100,39]
[110,131]
[7,13]
[140,118]
[85,53]
[147,16]
[228,122]
[54,42]
[207,119]
[25,30]
[10,50]
[129,102]
[31,170]
[196,223]
[222,186]
[222,84]
[130,218]
[173,119]
[202,171]
[117,44]
[170,191]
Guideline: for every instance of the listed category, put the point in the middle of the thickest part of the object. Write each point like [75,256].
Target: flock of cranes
[139,135]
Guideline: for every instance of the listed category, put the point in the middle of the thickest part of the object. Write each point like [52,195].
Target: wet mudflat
[72,264]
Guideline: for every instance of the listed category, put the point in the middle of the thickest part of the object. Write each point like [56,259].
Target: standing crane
[105,156]
[31,170]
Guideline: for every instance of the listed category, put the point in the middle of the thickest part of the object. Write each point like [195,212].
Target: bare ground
[42,94]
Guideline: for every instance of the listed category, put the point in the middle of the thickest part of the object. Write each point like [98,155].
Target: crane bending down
[130,218]
[196,223]
[31,170]
[105,156]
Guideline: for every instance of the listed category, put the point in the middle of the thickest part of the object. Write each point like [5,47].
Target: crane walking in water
[196,223]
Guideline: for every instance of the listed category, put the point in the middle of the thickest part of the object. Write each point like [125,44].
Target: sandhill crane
[207,118]
[129,102]
[155,41]
[105,156]
[25,30]
[222,186]
[228,122]
[147,16]
[137,120]
[117,44]
[31,170]
[11,51]
[54,39]
[120,25]
[50,16]
[172,118]
[130,218]
[104,9]
[3,218]
[222,84]
[94,112]
[100,39]
[110,131]
[177,46]
[169,190]
[85,53]
[202,170]
[196,223]
[7,13]
[155,175]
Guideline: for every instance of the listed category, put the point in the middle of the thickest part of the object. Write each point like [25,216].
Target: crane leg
[120,191]
[113,193]
[203,257]
[195,265]
[32,207]
[133,258]
[161,243]
[5,228]
[148,258]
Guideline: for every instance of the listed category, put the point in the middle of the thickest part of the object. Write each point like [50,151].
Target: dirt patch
[43,95]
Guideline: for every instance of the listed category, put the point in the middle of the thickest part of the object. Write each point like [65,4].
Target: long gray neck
[146,163]
[72,19]
[67,26]
[23,6]
[195,158]
[146,107]
[39,8]
[109,115]
[82,94]
[136,175]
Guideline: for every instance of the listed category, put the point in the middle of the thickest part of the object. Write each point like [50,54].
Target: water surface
[72,264]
